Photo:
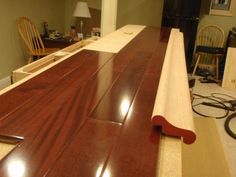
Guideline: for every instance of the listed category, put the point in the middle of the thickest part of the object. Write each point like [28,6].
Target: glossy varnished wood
[48,121]
[15,98]
[135,150]
[116,103]
[89,115]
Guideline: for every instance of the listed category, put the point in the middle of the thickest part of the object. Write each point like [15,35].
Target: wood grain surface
[172,109]
[89,115]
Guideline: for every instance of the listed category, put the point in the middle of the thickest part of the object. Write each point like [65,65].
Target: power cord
[222,94]
[214,98]
[227,125]
[215,102]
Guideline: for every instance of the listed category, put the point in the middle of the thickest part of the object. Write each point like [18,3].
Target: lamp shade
[81,10]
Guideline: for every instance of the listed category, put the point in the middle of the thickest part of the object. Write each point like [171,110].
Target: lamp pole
[81,25]
[82,11]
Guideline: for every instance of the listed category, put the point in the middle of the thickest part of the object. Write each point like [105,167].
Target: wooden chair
[32,39]
[210,41]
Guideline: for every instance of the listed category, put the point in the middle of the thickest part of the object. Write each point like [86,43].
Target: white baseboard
[5,82]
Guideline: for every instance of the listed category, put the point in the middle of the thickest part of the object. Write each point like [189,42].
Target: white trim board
[5,82]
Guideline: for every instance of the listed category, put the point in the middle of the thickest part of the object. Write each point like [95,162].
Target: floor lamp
[82,11]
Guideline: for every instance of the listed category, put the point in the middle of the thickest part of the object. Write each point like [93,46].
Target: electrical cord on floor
[214,98]
[227,125]
[222,94]
[215,101]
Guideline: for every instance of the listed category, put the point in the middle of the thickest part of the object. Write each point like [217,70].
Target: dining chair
[32,40]
[209,48]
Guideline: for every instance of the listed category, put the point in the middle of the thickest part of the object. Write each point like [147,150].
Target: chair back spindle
[210,39]
[32,39]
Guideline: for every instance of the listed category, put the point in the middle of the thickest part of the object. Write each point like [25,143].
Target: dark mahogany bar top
[88,116]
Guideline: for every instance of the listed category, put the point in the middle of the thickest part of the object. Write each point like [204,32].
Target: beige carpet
[205,157]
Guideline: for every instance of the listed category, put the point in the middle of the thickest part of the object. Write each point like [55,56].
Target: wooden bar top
[88,116]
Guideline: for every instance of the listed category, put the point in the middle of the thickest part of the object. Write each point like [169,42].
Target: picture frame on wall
[221,7]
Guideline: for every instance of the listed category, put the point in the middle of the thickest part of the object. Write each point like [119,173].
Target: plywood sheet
[205,157]
[5,149]
[229,79]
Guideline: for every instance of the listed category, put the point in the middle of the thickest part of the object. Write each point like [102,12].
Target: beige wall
[225,22]
[69,9]
[58,13]
[11,48]
[142,12]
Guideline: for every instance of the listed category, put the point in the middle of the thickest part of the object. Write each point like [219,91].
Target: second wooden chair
[209,48]
[32,39]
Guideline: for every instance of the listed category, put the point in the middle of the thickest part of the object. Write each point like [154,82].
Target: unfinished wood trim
[24,76]
[229,78]
[115,41]
[5,149]
[8,143]
[48,61]
[209,158]
[172,109]
[169,157]
[16,76]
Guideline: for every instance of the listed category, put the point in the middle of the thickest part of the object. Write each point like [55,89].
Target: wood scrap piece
[229,78]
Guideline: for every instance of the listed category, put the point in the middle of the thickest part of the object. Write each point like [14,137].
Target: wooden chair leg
[196,65]
[217,67]
[30,59]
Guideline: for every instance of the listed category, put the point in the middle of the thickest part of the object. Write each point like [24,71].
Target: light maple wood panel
[205,157]
[229,79]
[115,41]
[172,109]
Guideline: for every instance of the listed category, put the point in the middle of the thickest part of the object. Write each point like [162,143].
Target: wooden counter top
[88,115]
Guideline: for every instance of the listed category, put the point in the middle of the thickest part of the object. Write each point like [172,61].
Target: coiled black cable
[222,94]
[214,101]
[227,125]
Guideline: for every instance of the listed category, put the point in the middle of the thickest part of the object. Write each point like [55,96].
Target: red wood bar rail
[88,116]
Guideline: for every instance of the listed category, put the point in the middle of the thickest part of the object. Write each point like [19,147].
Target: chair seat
[210,50]
[210,41]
